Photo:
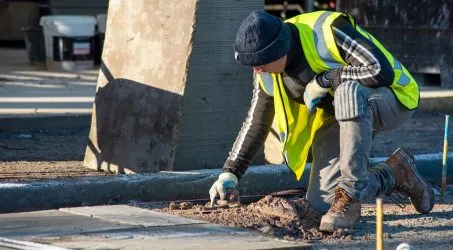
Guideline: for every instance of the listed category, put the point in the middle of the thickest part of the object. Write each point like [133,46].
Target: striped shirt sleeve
[253,133]
[366,62]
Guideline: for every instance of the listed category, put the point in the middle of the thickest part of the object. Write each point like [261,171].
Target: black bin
[34,42]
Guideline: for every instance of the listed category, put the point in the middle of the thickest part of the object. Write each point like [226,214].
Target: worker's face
[274,67]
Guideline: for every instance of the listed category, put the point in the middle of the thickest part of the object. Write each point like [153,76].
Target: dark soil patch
[20,171]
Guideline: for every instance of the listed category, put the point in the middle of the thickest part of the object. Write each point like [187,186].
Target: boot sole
[430,192]
[330,228]
[327,227]
[415,172]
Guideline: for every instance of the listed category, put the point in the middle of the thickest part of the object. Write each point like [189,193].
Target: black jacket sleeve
[367,64]
[253,133]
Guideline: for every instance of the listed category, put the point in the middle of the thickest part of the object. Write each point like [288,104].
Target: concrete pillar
[170,95]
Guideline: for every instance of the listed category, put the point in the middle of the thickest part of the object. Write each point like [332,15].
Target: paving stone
[51,223]
[130,215]
[199,236]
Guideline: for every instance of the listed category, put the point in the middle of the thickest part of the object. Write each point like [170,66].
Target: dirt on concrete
[290,218]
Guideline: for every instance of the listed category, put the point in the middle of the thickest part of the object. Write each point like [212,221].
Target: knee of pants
[350,101]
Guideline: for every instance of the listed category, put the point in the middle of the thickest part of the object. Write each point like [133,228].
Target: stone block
[170,95]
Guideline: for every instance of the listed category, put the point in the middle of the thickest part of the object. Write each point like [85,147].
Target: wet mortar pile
[288,218]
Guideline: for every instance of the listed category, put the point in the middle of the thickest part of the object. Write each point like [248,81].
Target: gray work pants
[341,149]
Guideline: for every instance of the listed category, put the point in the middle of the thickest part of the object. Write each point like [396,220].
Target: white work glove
[226,181]
[313,95]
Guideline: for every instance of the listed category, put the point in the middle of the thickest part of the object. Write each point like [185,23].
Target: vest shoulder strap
[316,35]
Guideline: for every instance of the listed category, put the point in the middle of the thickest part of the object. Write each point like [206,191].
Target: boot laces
[398,199]
[341,201]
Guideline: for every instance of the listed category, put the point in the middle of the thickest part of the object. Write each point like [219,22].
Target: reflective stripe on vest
[404,85]
[318,40]
[322,53]
[296,129]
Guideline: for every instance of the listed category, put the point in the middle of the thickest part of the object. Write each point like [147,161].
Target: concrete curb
[87,191]
[435,100]
[160,186]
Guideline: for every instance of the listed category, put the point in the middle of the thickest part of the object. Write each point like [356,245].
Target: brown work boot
[343,213]
[409,182]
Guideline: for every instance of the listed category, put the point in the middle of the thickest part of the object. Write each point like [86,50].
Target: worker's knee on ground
[350,101]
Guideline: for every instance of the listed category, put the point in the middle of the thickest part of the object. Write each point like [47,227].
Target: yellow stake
[379,225]
[444,158]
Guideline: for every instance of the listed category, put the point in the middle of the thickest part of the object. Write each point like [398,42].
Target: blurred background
[418,32]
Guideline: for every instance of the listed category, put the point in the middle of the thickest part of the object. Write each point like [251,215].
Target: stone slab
[51,223]
[123,227]
[124,214]
[139,90]
[6,243]
[206,236]
[218,89]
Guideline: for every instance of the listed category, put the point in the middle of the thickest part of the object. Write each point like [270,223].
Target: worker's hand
[219,188]
[313,95]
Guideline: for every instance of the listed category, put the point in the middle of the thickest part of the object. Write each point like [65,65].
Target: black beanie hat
[261,39]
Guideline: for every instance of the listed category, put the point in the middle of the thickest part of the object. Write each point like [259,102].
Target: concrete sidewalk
[166,186]
[29,91]
[124,227]
[129,227]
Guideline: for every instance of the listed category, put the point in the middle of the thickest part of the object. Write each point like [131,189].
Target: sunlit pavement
[124,227]
[27,90]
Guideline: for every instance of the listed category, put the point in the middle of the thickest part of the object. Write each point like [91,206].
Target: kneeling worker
[330,85]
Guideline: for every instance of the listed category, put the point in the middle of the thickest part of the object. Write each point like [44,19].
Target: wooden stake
[379,225]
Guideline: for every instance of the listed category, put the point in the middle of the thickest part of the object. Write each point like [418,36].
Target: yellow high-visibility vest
[296,128]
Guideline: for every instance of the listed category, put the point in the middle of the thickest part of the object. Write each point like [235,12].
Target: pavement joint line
[170,227]
[167,186]
[131,215]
